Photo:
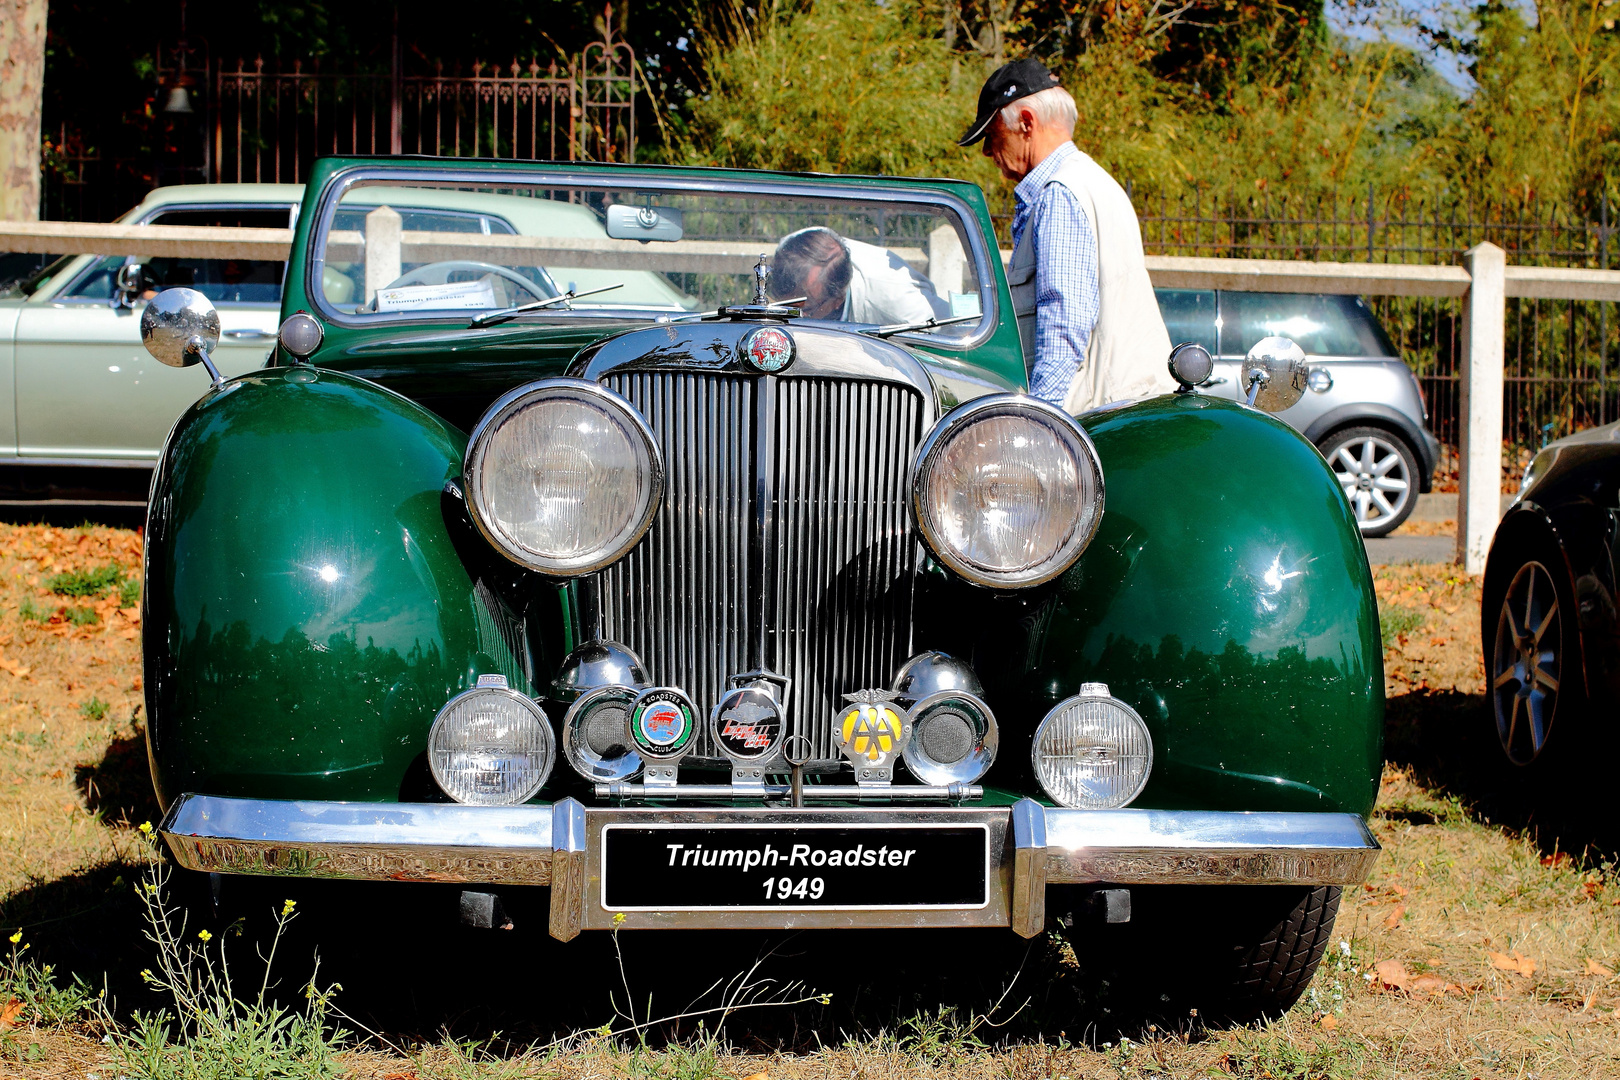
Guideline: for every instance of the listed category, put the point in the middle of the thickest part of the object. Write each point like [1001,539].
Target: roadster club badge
[768,349]
[872,732]
[662,724]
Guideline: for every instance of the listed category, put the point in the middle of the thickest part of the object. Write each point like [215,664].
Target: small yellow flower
[14,938]
[146,827]
[205,935]
[146,973]
[618,918]
[287,907]
[151,887]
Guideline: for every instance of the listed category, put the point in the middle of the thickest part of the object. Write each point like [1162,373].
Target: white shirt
[884,289]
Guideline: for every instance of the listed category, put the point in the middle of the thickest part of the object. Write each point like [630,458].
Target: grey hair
[1053,107]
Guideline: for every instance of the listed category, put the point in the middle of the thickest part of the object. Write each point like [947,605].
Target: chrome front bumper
[1031,846]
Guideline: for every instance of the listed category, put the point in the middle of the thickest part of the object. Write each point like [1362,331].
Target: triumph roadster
[684,543]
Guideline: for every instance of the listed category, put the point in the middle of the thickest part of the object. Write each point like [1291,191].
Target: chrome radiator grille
[783,541]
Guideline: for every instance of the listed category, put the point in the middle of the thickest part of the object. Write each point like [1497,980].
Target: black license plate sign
[763,868]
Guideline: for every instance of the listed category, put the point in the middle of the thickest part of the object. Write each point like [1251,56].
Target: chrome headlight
[563,476]
[1007,491]
[1092,752]
[491,746]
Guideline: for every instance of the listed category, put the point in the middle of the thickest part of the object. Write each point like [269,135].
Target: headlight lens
[563,476]
[1007,491]
[491,746]
[1092,752]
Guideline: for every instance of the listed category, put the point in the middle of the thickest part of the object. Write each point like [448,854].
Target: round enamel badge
[768,349]
[661,723]
[747,725]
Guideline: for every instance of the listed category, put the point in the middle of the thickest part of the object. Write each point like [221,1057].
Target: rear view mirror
[644,223]
[180,328]
[127,286]
[1275,373]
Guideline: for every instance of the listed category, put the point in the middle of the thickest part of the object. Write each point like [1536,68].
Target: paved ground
[1392,550]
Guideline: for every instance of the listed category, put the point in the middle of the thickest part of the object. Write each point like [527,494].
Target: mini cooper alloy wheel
[1377,473]
[1526,662]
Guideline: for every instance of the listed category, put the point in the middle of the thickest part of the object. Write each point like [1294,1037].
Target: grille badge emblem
[768,349]
[872,731]
[746,725]
[663,726]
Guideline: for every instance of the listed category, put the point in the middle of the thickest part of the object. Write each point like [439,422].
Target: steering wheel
[439,274]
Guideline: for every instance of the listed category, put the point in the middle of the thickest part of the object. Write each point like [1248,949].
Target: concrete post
[383,229]
[1479,502]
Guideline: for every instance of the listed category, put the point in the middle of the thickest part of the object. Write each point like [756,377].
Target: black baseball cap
[1007,84]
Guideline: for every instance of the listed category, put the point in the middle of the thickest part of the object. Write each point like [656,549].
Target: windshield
[23,275]
[393,249]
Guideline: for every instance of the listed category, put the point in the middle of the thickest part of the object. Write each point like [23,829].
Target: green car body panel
[314,596]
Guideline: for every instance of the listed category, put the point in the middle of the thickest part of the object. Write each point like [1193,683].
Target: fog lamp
[596,735]
[1092,751]
[300,335]
[953,738]
[491,746]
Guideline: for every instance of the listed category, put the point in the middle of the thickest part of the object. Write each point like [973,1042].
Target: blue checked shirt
[1067,298]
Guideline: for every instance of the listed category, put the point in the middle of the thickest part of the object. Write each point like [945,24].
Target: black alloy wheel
[1379,474]
[1527,662]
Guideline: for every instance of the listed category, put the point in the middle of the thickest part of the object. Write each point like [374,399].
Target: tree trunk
[22,94]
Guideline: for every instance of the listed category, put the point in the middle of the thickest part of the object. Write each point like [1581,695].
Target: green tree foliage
[1239,95]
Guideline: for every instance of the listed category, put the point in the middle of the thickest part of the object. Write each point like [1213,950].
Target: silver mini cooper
[1364,409]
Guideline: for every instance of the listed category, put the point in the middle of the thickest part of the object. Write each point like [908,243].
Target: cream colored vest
[1130,348]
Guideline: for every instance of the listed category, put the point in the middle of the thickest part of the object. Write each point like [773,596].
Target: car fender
[1227,598]
[306,609]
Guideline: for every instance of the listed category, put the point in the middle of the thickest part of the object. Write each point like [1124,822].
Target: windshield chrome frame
[549,176]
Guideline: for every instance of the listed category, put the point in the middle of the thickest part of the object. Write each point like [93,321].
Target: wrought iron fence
[270,125]
[1562,363]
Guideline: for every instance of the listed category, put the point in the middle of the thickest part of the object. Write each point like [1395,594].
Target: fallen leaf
[9,1013]
[399,1076]
[1394,919]
[758,1076]
[17,670]
[1392,975]
[1595,968]
[1556,859]
[1433,984]
[1516,963]
[1329,1022]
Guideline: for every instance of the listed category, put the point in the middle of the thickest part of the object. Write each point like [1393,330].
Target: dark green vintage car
[560,546]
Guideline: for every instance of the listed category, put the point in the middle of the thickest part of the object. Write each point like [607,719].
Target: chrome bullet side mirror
[180,328]
[1274,372]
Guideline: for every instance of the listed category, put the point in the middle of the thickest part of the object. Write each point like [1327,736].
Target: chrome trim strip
[149,462]
[1142,847]
[1032,846]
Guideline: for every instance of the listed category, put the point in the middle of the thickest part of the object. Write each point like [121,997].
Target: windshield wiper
[901,328]
[490,318]
[712,314]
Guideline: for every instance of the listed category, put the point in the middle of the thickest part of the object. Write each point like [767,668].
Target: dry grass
[1477,950]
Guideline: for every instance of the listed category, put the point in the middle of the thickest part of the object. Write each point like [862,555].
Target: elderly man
[850,280]
[1090,325]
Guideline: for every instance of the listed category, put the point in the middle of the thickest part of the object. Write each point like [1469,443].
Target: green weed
[129,593]
[96,582]
[94,710]
[1395,621]
[28,611]
[44,1003]
[82,616]
[211,1033]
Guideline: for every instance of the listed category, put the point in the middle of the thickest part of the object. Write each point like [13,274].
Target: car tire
[1532,651]
[1379,473]
[1215,955]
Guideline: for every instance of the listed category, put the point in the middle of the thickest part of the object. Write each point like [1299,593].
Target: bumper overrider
[769,867]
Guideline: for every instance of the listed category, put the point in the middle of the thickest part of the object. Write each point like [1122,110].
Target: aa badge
[872,732]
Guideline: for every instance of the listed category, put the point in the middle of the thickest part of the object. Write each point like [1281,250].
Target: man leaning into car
[1090,325]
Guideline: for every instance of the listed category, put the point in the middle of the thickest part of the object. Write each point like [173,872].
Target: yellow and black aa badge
[872,731]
